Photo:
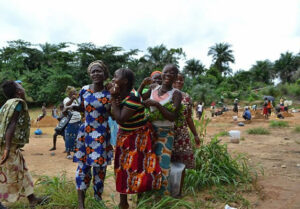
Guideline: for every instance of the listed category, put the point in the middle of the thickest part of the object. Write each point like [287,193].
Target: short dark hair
[173,67]
[129,75]
[9,89]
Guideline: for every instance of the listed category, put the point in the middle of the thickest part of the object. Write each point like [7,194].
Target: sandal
[69,157]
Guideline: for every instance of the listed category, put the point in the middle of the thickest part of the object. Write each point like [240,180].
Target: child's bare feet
[52,149]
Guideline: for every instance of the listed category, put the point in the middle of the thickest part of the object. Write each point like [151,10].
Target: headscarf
[100,64]
[154,73]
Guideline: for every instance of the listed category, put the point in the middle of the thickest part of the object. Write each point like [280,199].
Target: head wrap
[154,73]
[100,64]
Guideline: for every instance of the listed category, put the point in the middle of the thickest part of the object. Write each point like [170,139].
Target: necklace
[161,92]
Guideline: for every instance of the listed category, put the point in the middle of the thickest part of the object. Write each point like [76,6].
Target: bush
[258,131]
[222,133]
[215,166]
[278,124]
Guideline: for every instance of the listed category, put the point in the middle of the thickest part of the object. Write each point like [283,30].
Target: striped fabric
[133,101]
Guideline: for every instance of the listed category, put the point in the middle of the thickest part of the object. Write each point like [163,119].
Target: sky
[256,29]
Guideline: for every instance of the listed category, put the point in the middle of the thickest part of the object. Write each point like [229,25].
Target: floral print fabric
[182,151]
[15,179]
[93,140]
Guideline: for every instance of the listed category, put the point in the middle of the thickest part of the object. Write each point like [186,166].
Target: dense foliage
[46,69]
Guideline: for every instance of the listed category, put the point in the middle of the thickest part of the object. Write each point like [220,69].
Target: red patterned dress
[182,150]
[136,165]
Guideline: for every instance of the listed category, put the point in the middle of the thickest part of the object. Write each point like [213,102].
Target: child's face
[20,91]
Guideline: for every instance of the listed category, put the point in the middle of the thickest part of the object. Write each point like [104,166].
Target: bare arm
[121,115]
[171,116]
[9,135]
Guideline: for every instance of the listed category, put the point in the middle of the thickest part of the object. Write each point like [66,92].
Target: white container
[235,118]
[234,134]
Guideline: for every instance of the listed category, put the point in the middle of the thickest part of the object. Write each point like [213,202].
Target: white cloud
[256,29]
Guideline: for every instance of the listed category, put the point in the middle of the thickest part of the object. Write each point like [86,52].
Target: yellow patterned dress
[15,180]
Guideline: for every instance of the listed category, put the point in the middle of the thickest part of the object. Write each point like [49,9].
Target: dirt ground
[278,154]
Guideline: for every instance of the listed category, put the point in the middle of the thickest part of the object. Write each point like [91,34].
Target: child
[14,134]
[63,119]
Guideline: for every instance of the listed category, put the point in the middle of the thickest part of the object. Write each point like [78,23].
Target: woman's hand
[114,90]
[150,102]
[197,141]
[147,81]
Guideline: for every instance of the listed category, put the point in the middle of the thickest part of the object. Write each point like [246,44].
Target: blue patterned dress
[93,148]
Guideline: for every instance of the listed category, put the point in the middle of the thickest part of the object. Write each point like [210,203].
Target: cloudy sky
[256,29]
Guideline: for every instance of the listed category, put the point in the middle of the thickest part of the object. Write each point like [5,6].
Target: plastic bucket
[234,134]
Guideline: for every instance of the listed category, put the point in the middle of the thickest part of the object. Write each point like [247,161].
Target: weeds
[215,166]
[297,129]
[278,124]
[258,131]
[222,133]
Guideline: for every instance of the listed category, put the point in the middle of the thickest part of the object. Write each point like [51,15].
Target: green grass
[258,131]
[278,124]
[222,133]
[297,129]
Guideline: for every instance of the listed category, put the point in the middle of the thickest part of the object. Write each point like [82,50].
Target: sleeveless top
[163,99]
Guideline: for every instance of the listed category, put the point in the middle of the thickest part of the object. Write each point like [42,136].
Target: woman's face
[169,76]
[97,74]
[118,79]
[179,82]
[20,91]
[157,78]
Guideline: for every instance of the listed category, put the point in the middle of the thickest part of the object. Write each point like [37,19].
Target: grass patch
[258,131]
[222,133]
[215,166]
[278,124]
[297,129]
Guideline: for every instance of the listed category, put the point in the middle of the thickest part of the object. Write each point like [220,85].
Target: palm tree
[194,68]
[222,55]
[263,71]
[286,66]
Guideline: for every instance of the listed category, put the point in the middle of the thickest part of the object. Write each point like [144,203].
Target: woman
[155,78]
[182,150]
[164,103]
[72,128]
[136,166]
[15,180]
[93,149]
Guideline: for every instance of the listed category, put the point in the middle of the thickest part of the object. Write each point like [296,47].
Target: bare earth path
[280,186]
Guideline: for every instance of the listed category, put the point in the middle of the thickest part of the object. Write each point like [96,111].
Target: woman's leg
[83,178]
[99,176]
[123,201]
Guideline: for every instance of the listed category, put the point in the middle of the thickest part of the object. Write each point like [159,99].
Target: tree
[222,55]
[263,71]
[193,68]
[286,66]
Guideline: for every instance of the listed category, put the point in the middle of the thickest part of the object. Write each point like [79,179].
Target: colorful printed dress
[136,165]
[182,150]
[164,131]
[93,148]
[15,179]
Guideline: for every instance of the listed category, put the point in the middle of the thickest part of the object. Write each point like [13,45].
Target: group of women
[153,131]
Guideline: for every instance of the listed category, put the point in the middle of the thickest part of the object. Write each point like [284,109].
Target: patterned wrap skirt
[163,149]
[15,179]
[136,165]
